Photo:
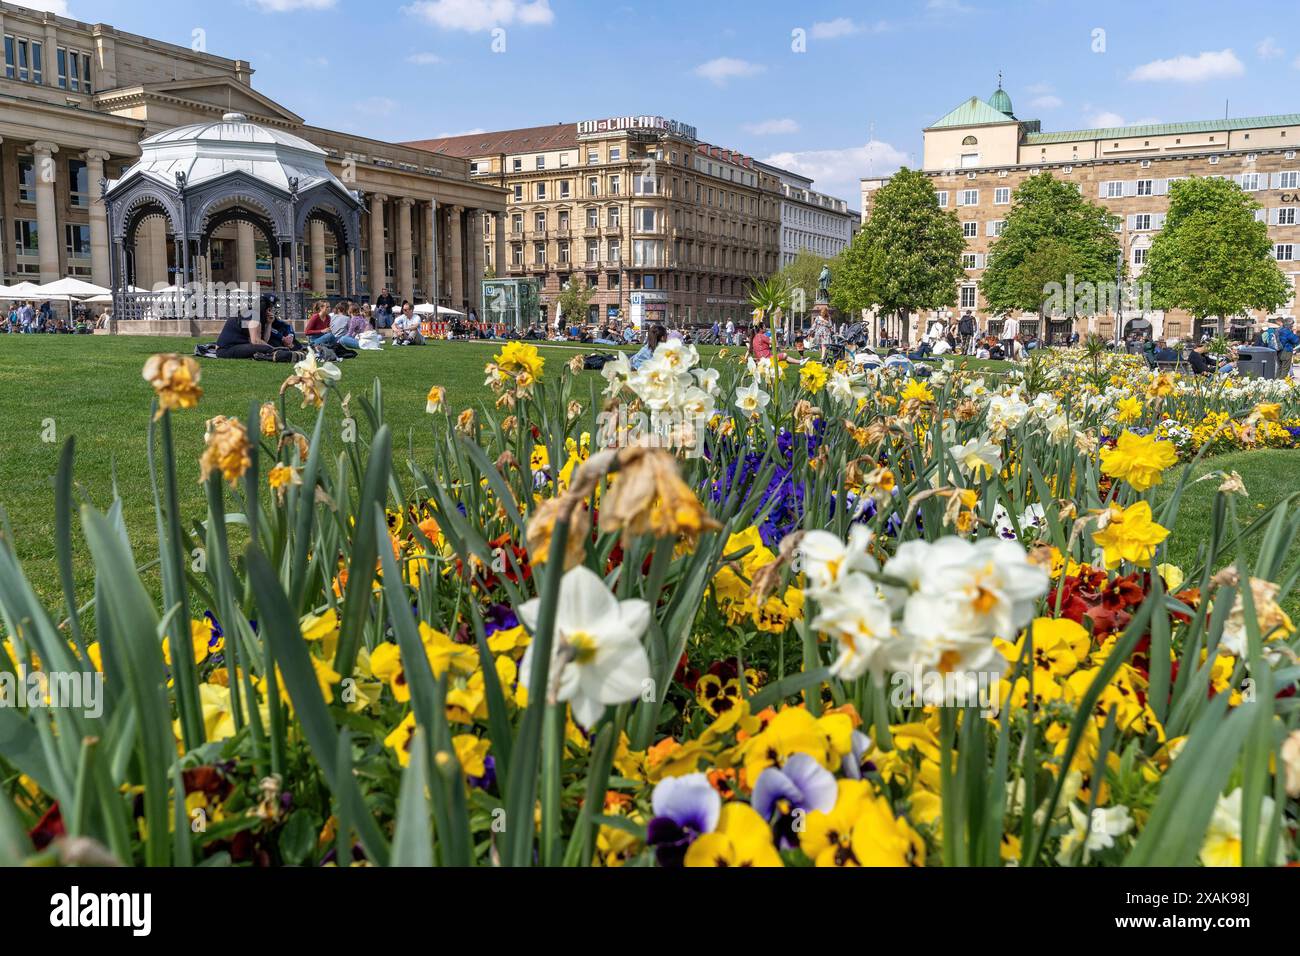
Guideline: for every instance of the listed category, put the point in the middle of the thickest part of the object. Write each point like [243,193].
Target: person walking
[1287,342]
[966,329]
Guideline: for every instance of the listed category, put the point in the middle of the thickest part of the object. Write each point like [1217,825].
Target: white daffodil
[658,383]
[616,373]
[751,399]
[845,389]
[979,457]
[825,560]
[707,379]
[597,656]
[1222,845]
[677,355]
[858,617]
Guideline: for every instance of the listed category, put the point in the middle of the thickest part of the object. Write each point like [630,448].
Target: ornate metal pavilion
[201,177]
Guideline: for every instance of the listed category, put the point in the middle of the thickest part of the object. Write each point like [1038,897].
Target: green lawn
[90,387]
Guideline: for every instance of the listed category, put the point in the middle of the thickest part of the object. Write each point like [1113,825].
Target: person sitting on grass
[357,324]
[406,327]
[244,336]
[318,325]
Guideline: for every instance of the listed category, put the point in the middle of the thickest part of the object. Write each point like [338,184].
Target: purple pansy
[684,807]
[801,784]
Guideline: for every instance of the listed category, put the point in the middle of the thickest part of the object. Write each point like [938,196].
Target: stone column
[476,261]
[377,274]
[47,224]
[405,247]
[100,273]
[4,239]
[245,253]
[317,254]
[457,257]
[431,250]
[499,263]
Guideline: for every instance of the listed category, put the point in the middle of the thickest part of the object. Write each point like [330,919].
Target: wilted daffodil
[175,380]
[226,449]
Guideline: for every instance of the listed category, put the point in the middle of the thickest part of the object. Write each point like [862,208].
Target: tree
[1212,258]
[801,275]
[574,299]
[1054,240]
[906,258]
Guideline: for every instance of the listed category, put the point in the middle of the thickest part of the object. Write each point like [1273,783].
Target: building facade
[662,226]
[76,99]
[812,221]
[978,154]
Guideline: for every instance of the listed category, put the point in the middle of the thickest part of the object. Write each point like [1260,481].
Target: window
[1286,180]
[968,197]
[77,239]
[539,221]
[615,217]
[615,251]
[563,224]
[644,219]
[615,185]
[74,70]
[1250,182]
[540,162]
[26,239]
[541,191]
[564,253]
[968,297]
[78,184]
[517,222]
[23,59]
[644,185]
[564,160]
[517,254]
[593,186]
[519,192]
[615,153]
[593,250]
[539,253]
[26,179]
[564,189]
[593,217]
[1284,252]
[517,164]
[1139,257]
[996,226]
[943,198]
[647,252]
[1114,189]
[1002,196]
[970,230]
[972,260]
[1286,216]
[1142,222]
[593,157]
[1145,187]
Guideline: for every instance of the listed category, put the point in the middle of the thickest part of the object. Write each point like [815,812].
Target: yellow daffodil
[1138,459]
[1129,534]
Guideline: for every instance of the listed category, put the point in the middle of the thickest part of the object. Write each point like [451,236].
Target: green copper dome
[1000,101]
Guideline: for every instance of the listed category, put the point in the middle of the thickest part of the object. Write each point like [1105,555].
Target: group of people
[27,318]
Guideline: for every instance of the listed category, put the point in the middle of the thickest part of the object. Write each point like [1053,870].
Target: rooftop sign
[656,124]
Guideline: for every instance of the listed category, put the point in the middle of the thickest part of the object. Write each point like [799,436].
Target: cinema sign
[614,124]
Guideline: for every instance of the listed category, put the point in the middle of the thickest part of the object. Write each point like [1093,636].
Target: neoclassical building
[76,100]
[980,151]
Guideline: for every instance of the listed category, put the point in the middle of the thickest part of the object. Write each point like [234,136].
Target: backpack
[596,361]
[1269,339]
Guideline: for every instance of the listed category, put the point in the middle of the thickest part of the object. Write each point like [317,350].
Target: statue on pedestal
[824,284]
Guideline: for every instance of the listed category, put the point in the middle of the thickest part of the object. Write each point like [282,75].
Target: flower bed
[746,614]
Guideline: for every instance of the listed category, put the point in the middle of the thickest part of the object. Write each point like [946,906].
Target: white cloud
[773,127]
[831,29]
[463,132]
[1267,49]
[838,172]
[424,59]
[288,6]
[1040,88]
[57,7]
[377,106]
[725,68]
[1209,65]
[473,16]
[1105,119]
[1046,102]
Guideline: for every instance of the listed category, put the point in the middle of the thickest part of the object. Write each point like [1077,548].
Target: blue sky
[848,101]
